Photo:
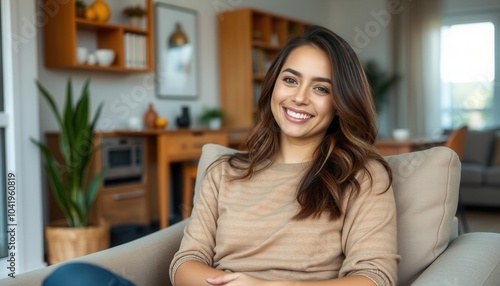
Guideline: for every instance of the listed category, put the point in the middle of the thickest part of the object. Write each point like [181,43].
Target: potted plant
[80,7]
[70,184]
[380,82]
[134,14]
[212,117]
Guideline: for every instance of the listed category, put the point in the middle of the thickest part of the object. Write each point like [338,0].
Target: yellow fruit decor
[161,122]
[98,11]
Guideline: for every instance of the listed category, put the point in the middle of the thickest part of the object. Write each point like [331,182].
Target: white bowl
[401,134]
[104,57]
[81,55]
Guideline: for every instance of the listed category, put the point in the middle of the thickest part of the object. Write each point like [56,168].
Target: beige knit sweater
[246,226]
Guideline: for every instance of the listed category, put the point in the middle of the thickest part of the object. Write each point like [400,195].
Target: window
[468,72]
[3,171]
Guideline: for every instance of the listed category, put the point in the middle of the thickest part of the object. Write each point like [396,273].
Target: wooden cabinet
[249,40]
[124,205]
[64,32]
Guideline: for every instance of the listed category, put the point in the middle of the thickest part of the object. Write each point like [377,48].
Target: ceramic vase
[150,117]
[184,120]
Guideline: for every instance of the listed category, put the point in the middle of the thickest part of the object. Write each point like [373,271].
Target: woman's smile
[296,116]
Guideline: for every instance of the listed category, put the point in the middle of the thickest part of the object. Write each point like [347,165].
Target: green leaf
[77,149]
[93,188]
[55,177]
[51,102]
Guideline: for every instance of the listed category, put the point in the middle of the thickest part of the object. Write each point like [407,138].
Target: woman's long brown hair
[348,144]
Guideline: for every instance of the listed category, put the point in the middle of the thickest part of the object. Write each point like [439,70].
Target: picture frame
[176,51]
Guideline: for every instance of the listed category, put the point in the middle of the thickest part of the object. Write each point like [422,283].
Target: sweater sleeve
[198,242]
[369,235]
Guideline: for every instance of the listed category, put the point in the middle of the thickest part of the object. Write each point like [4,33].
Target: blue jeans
[84,274]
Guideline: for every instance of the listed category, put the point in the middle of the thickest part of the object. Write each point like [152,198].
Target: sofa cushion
[496,148]
[426,190]
[472,173]
[478,144]
[492,176]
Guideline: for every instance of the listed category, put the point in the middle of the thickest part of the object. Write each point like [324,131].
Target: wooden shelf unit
[249,40]
[61,38]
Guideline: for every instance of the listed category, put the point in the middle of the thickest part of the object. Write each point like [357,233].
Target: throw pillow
[426,191]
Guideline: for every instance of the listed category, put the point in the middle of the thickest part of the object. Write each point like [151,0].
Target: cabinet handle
[129,195]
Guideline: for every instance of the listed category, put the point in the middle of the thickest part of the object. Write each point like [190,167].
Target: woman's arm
[239,279]
[196,251]
[195,273]
[369,234]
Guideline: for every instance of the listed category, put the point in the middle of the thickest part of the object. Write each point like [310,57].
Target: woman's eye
[289,80]
[322,89]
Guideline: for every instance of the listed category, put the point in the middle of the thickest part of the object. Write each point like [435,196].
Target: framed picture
[176,46]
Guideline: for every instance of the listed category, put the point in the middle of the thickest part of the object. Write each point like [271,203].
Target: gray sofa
[426,191]
[480,182]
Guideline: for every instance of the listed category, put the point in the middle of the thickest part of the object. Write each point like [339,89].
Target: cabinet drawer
[192,142]
[125,206]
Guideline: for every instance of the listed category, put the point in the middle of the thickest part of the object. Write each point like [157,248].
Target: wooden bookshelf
[249,40]
[62,29]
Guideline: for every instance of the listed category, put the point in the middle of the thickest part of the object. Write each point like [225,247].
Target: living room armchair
[426,185]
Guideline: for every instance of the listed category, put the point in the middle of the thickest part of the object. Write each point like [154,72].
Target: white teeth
[297,115]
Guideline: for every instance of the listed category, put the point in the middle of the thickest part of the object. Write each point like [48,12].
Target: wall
[115,89]
[365,24]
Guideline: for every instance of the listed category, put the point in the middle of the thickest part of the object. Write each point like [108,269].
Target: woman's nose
[300,97]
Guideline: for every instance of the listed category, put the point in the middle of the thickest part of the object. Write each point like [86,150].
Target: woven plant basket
[65,243]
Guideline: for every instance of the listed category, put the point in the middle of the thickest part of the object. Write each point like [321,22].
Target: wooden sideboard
[169,146]
[140,202]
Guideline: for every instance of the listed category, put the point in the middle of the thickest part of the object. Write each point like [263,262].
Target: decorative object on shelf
[176,52]
[150,117]
[73,193]
[80,7]
[380,82]
[184,120]
[81,55]
[161,122]
[135,14]
[101,10]
[104,57]
[401,134]
[135,123]
[212,117]
[91,59]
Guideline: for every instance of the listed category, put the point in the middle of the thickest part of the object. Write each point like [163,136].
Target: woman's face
[302,99]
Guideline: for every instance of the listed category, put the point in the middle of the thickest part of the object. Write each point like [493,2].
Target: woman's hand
[236,279]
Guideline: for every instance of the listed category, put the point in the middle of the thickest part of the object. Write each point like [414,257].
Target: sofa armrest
[145,261]
[471,259]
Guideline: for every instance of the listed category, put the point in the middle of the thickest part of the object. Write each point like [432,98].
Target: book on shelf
[135,50]
[260,61]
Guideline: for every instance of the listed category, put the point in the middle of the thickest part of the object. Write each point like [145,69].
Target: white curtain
[416,49]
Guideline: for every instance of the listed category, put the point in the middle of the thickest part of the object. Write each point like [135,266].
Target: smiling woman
[311,172]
